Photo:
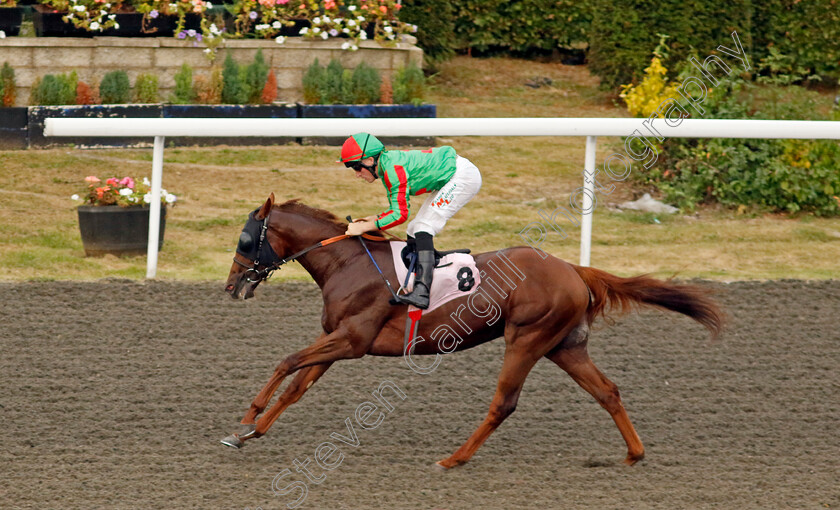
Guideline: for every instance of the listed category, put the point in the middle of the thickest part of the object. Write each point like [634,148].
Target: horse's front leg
[264,396]
[312,362]
[304,379]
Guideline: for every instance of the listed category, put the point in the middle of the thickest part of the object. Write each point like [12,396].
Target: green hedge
[522,26]
[806,33]
[622,37]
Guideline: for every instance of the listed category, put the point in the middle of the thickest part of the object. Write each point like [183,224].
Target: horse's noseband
[261,250]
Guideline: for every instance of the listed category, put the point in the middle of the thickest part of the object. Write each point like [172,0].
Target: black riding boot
[424,272]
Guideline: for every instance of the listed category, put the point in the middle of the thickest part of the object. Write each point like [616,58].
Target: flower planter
[368,111]
[10,20]
[231,111]
[49,23]
[14,128]
[117,230]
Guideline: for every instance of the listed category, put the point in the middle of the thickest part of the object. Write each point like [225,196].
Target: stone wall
[34,57]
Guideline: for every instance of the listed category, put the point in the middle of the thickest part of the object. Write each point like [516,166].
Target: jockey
[451,179]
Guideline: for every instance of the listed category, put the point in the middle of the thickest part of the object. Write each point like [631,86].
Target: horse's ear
[266,208]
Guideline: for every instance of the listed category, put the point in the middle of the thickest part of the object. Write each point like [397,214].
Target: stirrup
[417,298]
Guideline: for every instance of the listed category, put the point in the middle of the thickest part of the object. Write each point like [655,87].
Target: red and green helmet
[359,147]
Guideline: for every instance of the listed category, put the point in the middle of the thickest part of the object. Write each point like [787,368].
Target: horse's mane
[294,206]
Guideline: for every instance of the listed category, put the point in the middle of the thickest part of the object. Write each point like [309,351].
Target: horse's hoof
[633,459]
[233,441]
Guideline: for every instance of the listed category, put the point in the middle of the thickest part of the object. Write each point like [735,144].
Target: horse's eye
[246,242]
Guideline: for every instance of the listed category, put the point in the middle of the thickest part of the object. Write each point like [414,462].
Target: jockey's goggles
[358,166]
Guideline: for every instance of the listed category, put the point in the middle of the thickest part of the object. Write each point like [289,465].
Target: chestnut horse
[542,306]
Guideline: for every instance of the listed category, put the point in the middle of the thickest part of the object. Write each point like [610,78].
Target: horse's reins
[265,273]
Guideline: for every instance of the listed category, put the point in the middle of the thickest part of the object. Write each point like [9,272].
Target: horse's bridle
[255,275]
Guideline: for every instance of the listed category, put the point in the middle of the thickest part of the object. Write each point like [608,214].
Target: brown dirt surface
[114,394]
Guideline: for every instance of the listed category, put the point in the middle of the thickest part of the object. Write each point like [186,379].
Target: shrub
[269,92]
[313,82]
[115,88]
[623,35]
[208,89]
[255,76]
[233,88]
[8,87]
[146,89]
[523,26]
[435,22]
[55,89]
[332,85]
[409,85]
[85,94]
[644,99]
[364,85]
[778,175]
[386,93]
[184,92]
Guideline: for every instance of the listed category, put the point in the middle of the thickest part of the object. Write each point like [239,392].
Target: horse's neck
[323,262]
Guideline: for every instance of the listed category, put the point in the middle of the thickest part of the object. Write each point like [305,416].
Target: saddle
[408,254]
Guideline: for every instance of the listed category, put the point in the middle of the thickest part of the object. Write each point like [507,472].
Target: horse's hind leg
[574,359]
[517,364]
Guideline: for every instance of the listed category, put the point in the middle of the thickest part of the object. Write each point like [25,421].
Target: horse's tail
[622,293]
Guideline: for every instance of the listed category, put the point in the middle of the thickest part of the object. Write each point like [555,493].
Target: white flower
[2,34]
[170,198]
[261,26]
[112,16]
[132,199]
[208,51]
[315,30]
[316,20]
[73,196]
[280,39]
[79,8]
[326,19]
[276,24]
[146,181]
[345,46]
[125,192]
[354,48]
[351,23]
[147,198]
[345,30]
[173,6]
[215,30]
[388,29]
[209,5]
[351,8]
[304,30]
[360,18]
[94,26]
[363,36]
[116,26]
[163,192]
[325,35]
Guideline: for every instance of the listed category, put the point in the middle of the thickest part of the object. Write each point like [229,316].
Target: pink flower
[112,182]
[282,2]
[91,179]
[383,8]
[127,182]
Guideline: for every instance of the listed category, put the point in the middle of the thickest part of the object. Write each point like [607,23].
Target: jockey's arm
[359,227]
